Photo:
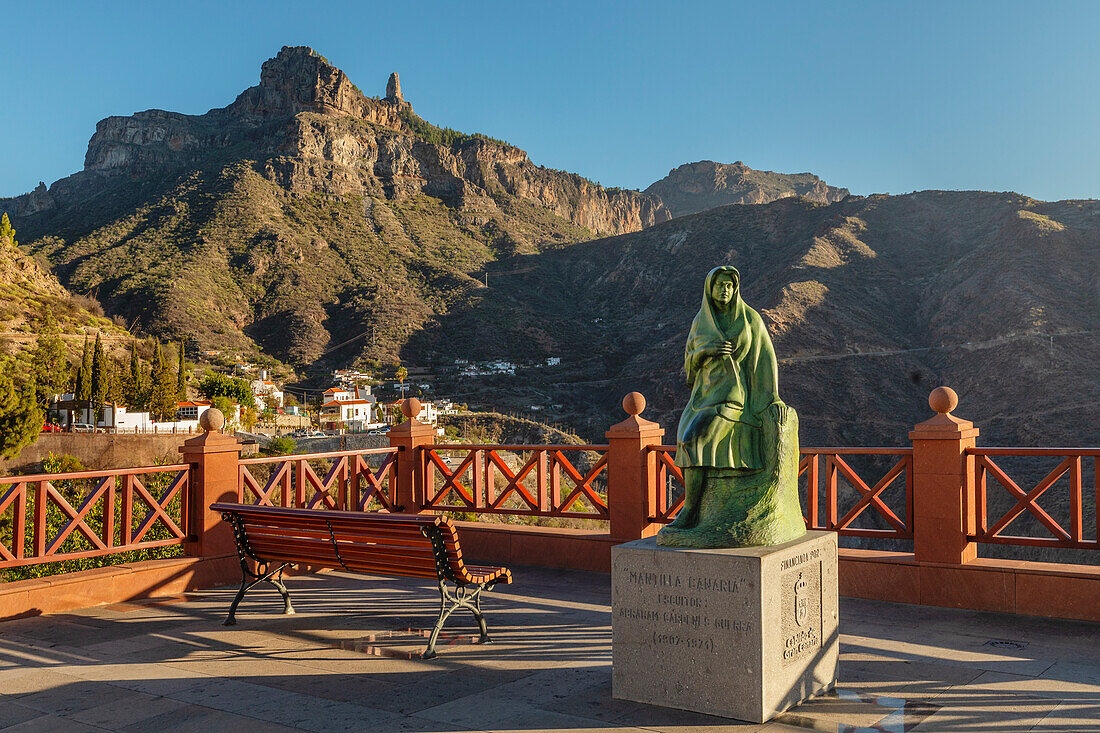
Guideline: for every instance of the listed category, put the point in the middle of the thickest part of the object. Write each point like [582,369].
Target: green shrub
[282,445]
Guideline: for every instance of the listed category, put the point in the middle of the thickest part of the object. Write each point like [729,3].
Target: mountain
[28,291]
[871,302]
[695,187]
[303,216]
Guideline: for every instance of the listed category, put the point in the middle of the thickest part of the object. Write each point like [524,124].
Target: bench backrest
[390,544]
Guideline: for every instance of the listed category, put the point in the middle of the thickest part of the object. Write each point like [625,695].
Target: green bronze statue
[737,443]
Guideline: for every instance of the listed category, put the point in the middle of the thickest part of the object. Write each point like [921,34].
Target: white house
[121,419]
[351,377]
[348,408]
[267,394]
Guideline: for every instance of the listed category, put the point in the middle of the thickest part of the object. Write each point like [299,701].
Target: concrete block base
[740,633]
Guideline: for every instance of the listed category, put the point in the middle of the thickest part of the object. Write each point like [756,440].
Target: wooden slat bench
[412,545]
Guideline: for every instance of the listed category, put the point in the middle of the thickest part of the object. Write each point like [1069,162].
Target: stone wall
[98,451]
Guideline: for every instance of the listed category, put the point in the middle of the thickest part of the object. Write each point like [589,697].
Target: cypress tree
[181,378]
[101,377]
[84,375]
[135,398]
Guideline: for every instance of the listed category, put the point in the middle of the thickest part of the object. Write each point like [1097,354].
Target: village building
[267,394]
[348,408]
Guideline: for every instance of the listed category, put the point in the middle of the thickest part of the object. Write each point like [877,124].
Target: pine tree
[7,234]
[20,415]
[162,390]
[101,377]
[84,375]
[49,366]
[181,377]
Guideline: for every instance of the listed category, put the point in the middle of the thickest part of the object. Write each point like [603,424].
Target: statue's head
[722,285]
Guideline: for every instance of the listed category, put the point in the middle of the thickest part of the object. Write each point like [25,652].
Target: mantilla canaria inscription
[737,443]
[688,608]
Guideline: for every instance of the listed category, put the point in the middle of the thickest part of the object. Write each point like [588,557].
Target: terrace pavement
[169,665]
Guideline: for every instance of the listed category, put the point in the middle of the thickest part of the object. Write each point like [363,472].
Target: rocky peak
[706,184]
[297,80]
[393,93]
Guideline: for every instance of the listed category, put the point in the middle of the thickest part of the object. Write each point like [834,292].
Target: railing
[343,480]
[71,516]
[668,490]
[1073,508]
[541,481]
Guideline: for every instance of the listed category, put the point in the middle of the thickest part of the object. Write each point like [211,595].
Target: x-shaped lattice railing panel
[1028,501]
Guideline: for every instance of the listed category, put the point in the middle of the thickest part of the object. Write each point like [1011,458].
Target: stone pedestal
[742,633]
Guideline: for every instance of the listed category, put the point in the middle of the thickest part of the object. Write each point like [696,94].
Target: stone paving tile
[1057,688]
[1070,717]
[435,689]
[53,724]
[198,719]
[152,679]
[16,683]
[883,675]
[74,697]
[12,713]
[129,710]
[963,710]
[940,648]
[670,720]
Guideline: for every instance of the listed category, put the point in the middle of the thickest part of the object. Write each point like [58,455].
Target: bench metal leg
[264,576]
[464,596]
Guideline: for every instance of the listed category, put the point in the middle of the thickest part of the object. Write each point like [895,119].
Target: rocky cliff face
[704,185]
[302,216]
[317,132]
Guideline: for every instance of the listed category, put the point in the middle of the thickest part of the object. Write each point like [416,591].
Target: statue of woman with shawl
[737,443]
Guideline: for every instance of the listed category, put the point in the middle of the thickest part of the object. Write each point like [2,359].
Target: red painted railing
[71,516]
[992,530]
[342,480]
[818,465]
[540,481]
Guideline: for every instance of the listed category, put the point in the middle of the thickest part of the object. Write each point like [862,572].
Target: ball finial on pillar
[411,407]
[634,403]
[212,420]
[943,400]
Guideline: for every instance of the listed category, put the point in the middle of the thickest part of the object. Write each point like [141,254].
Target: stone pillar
[630,490]
[214,474]
[943,483]
[409,436]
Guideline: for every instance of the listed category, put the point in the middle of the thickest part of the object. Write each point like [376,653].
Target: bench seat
[410,545]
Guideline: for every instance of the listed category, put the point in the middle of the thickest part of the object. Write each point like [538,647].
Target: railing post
[943,483]
[409,436]
[214,463]
[629,479]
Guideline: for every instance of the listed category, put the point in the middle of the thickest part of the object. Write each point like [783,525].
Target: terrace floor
[170,666]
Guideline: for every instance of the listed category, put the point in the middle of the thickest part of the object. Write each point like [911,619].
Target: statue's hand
[719,348]
[777,411]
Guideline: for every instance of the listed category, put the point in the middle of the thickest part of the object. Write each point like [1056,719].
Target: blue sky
[883,97]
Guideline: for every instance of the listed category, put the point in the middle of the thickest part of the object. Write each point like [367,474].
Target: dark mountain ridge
[871,302]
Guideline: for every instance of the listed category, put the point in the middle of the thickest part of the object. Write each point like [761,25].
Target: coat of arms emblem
[801,602]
